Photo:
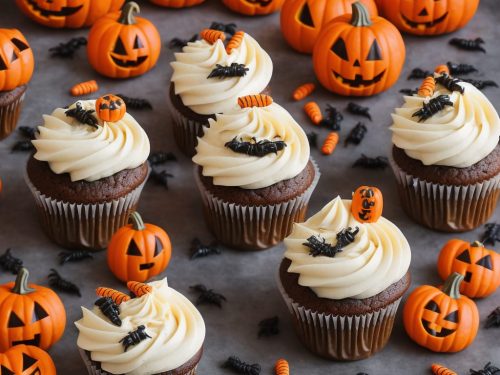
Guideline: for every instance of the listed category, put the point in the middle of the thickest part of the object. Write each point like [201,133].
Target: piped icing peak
[377,256]
[90,152]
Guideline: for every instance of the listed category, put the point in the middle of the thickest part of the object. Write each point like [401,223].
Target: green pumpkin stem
[21,285]
[477,244]
[360,15]
[127,15]
[137,222]
[451,286]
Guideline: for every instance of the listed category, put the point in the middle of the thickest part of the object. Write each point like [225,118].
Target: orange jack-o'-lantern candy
[367,204]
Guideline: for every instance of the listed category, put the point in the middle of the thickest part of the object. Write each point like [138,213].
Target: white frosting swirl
[87,153]
[229,168]
[175,325]
[457,136]
[379,256]
[215,95]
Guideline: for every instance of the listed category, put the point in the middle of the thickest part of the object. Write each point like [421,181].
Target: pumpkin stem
[137,222]
[21,285]
[127,15]
[476,244]
[451,286]
[360,15]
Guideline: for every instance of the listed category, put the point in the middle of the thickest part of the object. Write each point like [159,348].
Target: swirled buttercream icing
[86,152]
[175,325]
[456,136]
[206,95]
[378,257]
[229,168]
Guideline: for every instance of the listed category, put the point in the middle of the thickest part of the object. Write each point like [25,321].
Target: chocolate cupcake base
[10,109]
[256,219]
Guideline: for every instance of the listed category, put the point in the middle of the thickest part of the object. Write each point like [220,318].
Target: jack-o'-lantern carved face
[129,55]
[428,17]
[254,7]
[16,60]
[26,360]
[439,323]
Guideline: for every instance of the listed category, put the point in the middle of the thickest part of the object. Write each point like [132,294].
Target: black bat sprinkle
[356,134]
[135,103]
[160,157]
[234,70]
[22,146]
[10,263]
[333,118]
[134,337]
[85,116]
[434,106]
[199,250]
[468,44]
[68,49]
[177,43]
[74,256]
[236,364]
[378,162]
[460,69]
[260,148]
[319,247]
[418,73]
[357,109]
[451,84]
[491,234]
[27,132]
[208,296]
[409,92]
[488,369]
[160,178]
[57,282]
[269,327]
[480,85]
[312,137]
[110,310]
[228,28]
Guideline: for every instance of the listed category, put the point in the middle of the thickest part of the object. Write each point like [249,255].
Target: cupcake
[16,68]
[342,281]
[254,173]
[169,332]
[446,156]
[86,178]
[198,92]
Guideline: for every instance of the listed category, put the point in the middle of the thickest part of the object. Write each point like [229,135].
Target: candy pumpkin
[29,314]
[254,7]
[110,108]
[121,45]
[67,13]
[479,266]
[428,17]
[367,204]
[177,3]
[138,251]
[16,60]
[440,319]
[357,55]
[302,20]
[26,360]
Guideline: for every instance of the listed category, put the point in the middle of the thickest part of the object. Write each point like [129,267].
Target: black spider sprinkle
[160,157]
[418,73]
[378,162]
[408,91]
[110,310]
[27,132]
[208,296]
[269,327]
[460,69]
[135,103]
[236,364]
[234,70]
[488,369]
[468,44]
[177,43]
[85,116]
[254,148]
[74,256]
[160,177]
[312,137]
[434,106]
[134,337]
[357,109]
[199,250]
[492,234]
[333,118]
[22,146]
[68,49]
[493,319]
[57,282]
[10,263]
[479,84]
[319,247]
[356,134]
[451,84]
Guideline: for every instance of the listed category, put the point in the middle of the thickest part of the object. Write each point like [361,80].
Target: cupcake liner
[447,208]
[186,131]
[342,337]
[9,115]
[94,367]
[83,226]
[253,227]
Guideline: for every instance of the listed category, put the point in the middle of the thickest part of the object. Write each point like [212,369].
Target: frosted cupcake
[198,91]
[86,177]
[344,298]
[254,173]
[169,332]
[447,159]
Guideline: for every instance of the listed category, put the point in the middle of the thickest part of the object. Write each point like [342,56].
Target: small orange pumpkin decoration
[357,55]
[29,314]
[367,204]
[26,360]
[121,45]
[254,7]
[176,3]
[302,20]
[16,60]
[479,266]
[428,17]
[441,319]
[110,108]
[67,13]
[138,251]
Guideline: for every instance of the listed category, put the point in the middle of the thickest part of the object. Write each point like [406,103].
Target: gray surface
[247,280]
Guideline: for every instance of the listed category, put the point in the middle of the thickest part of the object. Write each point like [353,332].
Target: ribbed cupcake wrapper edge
[93,368]
[341,337]
[253,227]
[446,208]
[83,226]
[9,115]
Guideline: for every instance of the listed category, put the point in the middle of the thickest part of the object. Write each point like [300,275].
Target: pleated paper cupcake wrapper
[447,208]
[253,227]
[83,226]
[341,337]
[9,115]
[93,367]
[186,131]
